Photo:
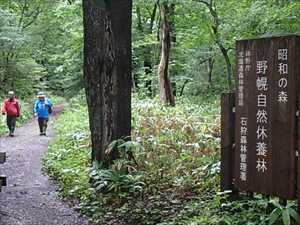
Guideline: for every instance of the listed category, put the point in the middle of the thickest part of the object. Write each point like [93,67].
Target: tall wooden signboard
[266,103]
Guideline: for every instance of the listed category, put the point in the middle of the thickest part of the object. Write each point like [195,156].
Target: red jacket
[11,107]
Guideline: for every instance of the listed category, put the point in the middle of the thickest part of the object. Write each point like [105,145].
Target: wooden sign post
[268,76]
[2,178]
[227,140]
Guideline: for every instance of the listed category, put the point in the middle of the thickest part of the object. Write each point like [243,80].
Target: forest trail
[30,198]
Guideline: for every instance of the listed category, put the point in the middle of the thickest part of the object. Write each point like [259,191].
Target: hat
[11,93]
[41,94]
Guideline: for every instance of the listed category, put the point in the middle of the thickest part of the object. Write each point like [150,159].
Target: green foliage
[39,48]
[196,43]
[287,214]
[68,158]
[116,183]
[171,154]
[18,70]
[173,179]
[62,53]
[177,141]
[43,42]
[123,178]
[169,172]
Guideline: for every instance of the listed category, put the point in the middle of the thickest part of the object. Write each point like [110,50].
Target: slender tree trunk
[172,22]
[215,28]
[148,72]
[210,70]
[228,64]
[147,52]
[183,86]
[166,94]
[171,19]
[107,73]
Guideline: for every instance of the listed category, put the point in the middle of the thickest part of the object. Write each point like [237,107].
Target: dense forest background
[42,42]
[172,176]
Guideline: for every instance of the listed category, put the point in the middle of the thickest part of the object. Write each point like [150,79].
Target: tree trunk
[148,72]
[171,20]
[215,28]
[147,52]
[166,94]
[107,73]
[183,86]
[210,70]
[228,64]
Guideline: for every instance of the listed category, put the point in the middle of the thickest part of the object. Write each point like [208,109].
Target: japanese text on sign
[261,116]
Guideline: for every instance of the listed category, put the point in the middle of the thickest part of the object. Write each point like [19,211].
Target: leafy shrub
[287,214]
[171,148]
[68,159]
[112,181]
[173,179]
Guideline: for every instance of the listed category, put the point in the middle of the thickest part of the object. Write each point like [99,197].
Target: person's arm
[35,108]
[18,109]
[4,108]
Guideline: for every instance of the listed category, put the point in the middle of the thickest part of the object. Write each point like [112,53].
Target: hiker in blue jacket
[42,109]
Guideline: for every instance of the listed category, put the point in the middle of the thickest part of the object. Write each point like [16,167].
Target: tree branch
[208,3]
[153,16]
[34,17]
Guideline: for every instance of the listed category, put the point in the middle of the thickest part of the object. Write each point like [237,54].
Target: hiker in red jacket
[11,108]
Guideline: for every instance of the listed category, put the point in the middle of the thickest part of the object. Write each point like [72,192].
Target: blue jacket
[41,107]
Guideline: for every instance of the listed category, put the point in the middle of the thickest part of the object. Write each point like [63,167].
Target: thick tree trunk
[166,94]
[107,73]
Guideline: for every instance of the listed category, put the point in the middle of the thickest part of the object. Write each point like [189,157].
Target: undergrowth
[173,179]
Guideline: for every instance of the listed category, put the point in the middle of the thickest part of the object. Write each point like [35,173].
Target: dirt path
[30,198]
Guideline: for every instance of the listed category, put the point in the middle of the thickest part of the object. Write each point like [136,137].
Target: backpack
[49,107]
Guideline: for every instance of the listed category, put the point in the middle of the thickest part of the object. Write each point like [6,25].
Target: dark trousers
[11,123]
[43,124]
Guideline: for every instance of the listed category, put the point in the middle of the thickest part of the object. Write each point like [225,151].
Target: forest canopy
[42,42]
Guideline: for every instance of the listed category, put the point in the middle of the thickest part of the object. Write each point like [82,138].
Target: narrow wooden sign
[266,104]
[2,157]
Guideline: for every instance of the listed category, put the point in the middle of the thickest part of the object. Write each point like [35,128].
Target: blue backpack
[49,107]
